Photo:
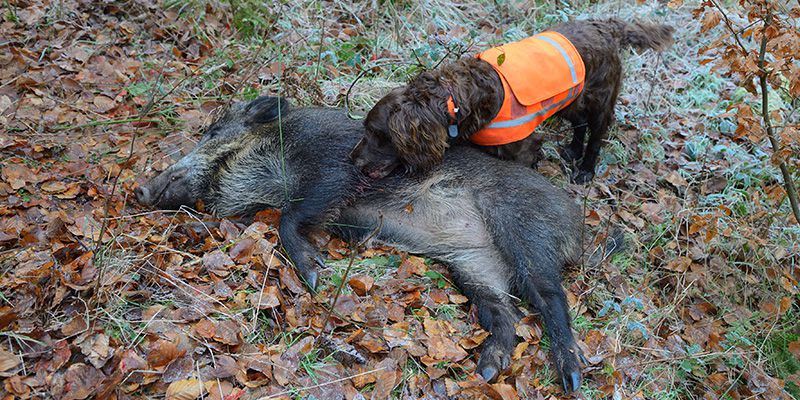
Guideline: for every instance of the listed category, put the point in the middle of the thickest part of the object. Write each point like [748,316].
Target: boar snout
[169,191]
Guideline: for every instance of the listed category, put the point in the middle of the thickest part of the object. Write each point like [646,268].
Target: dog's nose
[142,195]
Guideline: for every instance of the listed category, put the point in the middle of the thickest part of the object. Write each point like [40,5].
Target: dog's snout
[142,195]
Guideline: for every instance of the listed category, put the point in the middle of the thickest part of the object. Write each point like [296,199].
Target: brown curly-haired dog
[409,126]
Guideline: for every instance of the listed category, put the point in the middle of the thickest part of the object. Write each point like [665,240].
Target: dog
[573,71]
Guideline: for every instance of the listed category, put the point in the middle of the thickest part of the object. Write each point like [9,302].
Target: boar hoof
[494,358]
[489,373]
[310,276]
[571,383]
[569,369]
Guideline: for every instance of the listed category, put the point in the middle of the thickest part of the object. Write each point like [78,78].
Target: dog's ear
[418,136]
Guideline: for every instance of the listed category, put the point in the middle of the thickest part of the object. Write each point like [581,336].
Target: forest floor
[101,297]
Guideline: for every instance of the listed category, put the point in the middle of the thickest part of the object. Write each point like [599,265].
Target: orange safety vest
[541,75]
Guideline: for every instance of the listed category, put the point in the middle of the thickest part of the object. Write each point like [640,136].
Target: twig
[788,183]
[763,74]
[279,394]
[730,27]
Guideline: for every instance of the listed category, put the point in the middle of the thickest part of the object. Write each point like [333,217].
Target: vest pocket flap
[539,67]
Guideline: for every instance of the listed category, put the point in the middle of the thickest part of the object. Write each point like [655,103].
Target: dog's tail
[642,35]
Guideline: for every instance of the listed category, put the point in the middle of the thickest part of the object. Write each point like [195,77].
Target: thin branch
[788,183]
[729,24]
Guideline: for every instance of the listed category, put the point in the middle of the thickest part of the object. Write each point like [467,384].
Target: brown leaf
[15,385]
[179,369]
[411,266]
[18,175]
[103,103]
[386,378]
[229,230]
[82,381]
[794,348]
[475,340]
[162,352]
[289,279]
[592,218]
[205,328]
[187,389]
[225,366]
[8,360]
[440,344]
[219,390]
[361,284]
[710,20]
[53,187]
[679,264]
[265,299]
[76,325]
[131,360]
[676,179]
[228,332]
[96,350]
[506,391]
[217,263]
[243,250]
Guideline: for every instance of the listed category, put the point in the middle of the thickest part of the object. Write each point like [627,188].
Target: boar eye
[174,178]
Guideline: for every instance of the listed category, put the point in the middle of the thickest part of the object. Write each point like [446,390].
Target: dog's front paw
[494,359]
[569,155]
[582,177]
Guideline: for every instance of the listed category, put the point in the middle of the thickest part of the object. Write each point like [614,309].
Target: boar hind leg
[548,298]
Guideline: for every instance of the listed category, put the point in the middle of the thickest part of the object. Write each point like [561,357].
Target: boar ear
[265,109]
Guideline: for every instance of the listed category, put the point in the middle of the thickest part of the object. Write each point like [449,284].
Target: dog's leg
[598,125]
[574,151]
[536,152]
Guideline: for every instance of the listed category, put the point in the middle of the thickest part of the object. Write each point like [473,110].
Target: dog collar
[452,112]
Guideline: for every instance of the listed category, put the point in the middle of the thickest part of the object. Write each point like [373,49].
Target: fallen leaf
[265,299]
[187,389]
[162,352]
[8,360]
[361,284]
[82,381]
[228,332]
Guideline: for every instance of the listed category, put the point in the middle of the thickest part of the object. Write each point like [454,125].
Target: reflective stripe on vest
[541,75]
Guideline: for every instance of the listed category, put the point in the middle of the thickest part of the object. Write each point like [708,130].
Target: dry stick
[791,191]
[353,252]
[321,44]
